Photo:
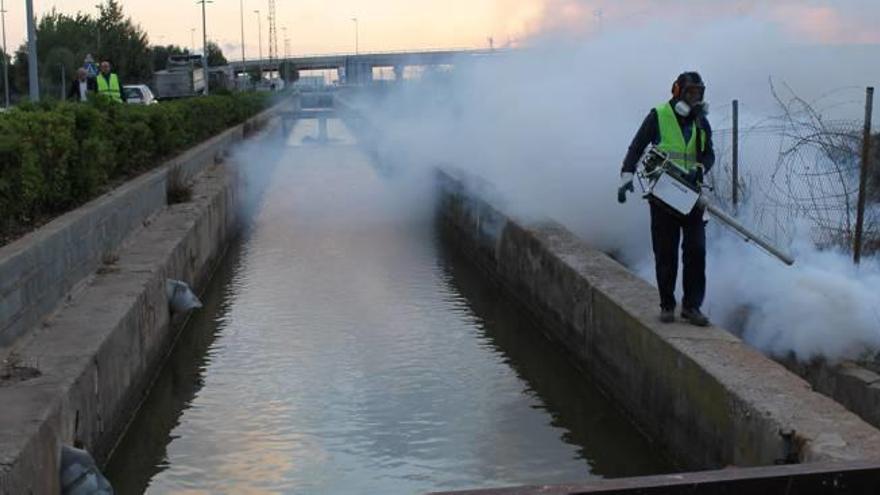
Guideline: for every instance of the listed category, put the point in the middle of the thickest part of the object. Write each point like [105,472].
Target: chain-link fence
[799,173]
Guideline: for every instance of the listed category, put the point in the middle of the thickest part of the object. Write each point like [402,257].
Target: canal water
[343,348]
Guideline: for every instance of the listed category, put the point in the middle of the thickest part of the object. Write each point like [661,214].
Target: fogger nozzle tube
[746,233]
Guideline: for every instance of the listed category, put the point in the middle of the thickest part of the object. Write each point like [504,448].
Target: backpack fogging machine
[666,184]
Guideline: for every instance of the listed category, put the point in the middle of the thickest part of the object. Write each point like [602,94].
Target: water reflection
[603,436]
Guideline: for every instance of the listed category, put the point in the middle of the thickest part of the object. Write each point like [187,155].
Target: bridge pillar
[398,72]
[357,72]
[364,73]
[322,129]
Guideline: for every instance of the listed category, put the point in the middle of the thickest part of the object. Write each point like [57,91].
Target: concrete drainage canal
[344,347]
[384,331]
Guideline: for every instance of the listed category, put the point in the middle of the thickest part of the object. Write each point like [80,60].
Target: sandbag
[80,475]
[181,297]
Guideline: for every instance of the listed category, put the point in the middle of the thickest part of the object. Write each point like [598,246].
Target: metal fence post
[863,177]
[735,164]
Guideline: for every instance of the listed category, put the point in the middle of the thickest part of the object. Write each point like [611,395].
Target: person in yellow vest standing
[678,127]
[108,84]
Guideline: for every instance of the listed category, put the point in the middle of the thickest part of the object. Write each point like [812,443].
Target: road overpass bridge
[358,68]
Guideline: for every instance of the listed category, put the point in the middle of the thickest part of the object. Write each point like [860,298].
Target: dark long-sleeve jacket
[649,133]
[73,92]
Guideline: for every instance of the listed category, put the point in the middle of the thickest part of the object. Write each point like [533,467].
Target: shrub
[55,156]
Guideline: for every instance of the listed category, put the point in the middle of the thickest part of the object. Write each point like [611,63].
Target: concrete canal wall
[852,384]
[38,270]
[86,321]
[701,394]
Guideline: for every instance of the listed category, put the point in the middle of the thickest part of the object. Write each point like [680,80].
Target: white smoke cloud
[823,306]
[549,127]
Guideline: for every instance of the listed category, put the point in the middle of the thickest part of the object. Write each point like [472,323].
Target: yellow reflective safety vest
[112,90]
[682,154]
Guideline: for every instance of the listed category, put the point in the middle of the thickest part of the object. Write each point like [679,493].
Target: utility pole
[863,177]
[5,62]
[205,46]
[192,40]
[33,82]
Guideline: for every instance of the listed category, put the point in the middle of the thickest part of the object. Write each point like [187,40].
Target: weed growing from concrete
[179,187]
[15,369]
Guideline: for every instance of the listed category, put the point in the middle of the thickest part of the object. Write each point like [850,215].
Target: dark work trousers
[666,234]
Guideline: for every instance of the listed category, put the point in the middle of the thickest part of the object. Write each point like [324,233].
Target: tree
[3,82]
[65,40]
[215,55]
[62,42]
[124,44]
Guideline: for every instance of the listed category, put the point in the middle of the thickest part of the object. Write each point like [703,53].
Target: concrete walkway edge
[701,394]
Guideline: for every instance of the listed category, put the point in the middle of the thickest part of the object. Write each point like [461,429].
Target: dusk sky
[322,26]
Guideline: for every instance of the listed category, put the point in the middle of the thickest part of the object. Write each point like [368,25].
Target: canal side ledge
[704,396]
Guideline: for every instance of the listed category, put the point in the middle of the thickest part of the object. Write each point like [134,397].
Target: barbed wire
[800,169]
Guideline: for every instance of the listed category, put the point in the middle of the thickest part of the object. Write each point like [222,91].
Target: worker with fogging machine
[679,131]
[678,139]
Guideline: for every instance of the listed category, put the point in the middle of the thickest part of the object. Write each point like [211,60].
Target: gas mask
[683,109]
[690,99]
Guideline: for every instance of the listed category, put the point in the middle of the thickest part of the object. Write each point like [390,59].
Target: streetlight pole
[205,46]
[260,41]
[33,82]
[284,76]
[5,62]
[98,28]
[284,35]
[241,4]
[356,35]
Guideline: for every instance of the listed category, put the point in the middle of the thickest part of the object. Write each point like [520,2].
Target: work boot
[667,315]
[695,317]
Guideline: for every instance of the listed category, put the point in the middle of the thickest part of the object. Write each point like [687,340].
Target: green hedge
[54,157]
